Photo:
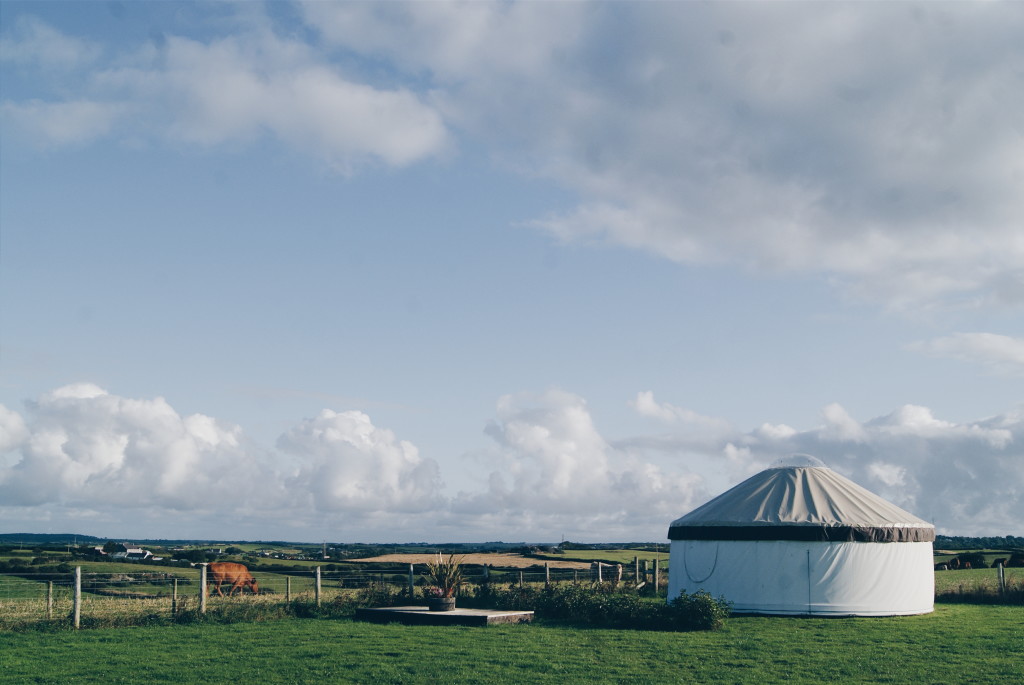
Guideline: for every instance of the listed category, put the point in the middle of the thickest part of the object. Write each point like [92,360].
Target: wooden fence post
[317,589]
[600,578]
[412,582]
[78,597]
[202,588]
[547,575]
[576,576]
[174,597]
[520,579]
[655,577]
[636,570]
[49,600]
[1002,579]
[287,588]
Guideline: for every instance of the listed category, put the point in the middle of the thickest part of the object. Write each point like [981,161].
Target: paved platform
[421,615]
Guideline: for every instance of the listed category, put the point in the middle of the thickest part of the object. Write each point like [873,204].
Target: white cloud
[84,447]
[239,88]
[966,477]
[236,88]
[63,123]
[1001,353]
[878,145]
[554,473]
[13,430]
[646,405]
[80,453]
[841,426]
[345,463]
[87,453]
[32,42]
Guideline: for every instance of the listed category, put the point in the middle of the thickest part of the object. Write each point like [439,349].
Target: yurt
[801,539]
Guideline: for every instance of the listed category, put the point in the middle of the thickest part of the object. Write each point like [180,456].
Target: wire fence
[27,598]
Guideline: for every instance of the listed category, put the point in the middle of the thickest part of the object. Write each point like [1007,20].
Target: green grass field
[974,579]
[958,643]
[614,556]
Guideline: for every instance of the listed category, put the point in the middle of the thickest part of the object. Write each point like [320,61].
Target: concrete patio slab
[421,615]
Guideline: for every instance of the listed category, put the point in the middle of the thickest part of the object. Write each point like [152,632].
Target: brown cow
[227,571]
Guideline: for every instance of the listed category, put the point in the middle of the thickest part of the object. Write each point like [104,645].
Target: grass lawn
[958,643]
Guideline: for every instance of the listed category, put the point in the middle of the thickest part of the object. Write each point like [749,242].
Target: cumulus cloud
[967,478]
[234,88]
[1000,353]
[80,453]
[345,463]
[554,473]
[85,447]
[86,452]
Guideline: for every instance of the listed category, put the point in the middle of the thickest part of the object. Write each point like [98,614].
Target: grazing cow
[238,575]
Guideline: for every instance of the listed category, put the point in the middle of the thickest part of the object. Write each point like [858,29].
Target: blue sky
[448,271]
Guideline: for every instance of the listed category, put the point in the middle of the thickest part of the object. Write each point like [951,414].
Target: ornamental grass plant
[445,575]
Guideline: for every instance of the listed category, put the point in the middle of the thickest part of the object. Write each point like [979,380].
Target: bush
[605,606]
[699,611]
[378,595]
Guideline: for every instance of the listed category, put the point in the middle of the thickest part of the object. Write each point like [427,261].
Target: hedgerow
[605,606]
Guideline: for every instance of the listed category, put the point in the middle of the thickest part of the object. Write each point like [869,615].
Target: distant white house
[132,554]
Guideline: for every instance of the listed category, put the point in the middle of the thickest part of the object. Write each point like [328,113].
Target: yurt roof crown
[801,500]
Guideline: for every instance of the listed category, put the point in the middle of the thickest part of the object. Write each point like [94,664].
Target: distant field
[943,556]
[615,556]
[974,579]
[958,643]
[494,559]
[269,561]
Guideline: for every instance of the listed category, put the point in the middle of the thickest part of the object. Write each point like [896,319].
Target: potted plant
[445,577]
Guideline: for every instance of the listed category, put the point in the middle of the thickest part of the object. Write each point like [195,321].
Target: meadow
[258,639]
[957,643]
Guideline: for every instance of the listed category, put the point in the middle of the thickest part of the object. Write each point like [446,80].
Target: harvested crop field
[496,560]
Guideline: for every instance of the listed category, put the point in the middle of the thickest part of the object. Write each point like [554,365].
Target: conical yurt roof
[801,503]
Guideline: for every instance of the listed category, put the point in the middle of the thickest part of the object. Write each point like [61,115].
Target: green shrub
[699,611]
[605,606]
[378,595]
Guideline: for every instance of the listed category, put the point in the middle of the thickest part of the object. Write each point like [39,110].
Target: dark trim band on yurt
[805,533]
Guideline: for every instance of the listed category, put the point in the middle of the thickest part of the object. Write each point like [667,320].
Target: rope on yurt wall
[686,567]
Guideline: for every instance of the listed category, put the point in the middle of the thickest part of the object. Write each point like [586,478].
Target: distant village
[127,551]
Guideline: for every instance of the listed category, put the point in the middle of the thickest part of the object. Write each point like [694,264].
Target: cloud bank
[878,146]
[80,457]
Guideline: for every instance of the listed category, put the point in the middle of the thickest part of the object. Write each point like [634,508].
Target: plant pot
[441,603]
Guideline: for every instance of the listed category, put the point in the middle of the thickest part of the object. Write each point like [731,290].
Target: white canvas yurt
[802,539]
